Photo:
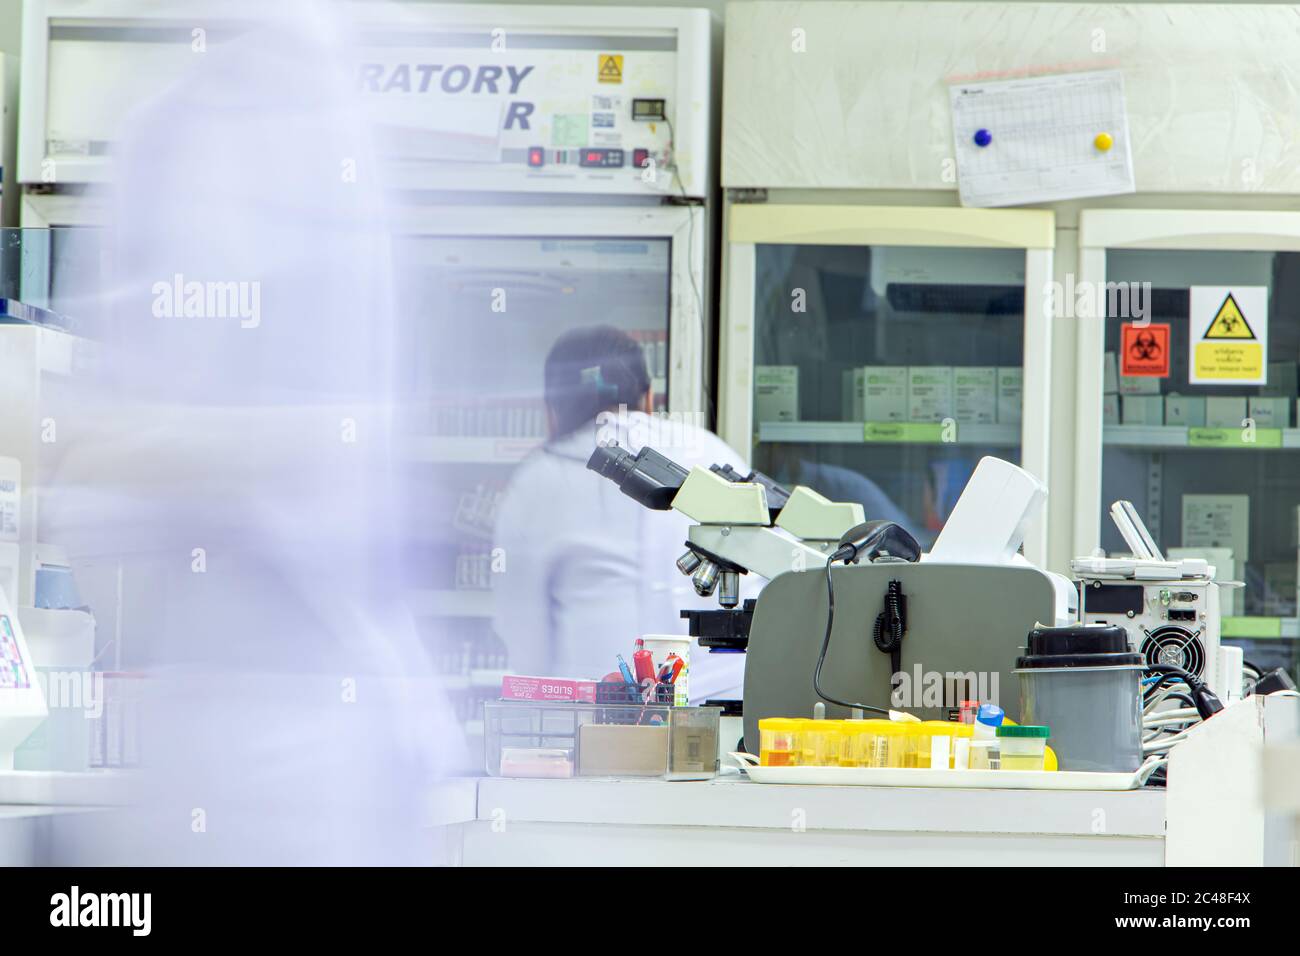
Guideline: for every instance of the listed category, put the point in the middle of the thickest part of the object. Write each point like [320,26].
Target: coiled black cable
[891,626]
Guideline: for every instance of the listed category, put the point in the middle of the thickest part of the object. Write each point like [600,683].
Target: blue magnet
[982,138]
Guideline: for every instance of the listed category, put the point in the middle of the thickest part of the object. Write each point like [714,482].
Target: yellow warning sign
[1229,335]
[1229,323]
[610,68]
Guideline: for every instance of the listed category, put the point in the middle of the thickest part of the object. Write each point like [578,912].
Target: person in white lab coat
[587,570]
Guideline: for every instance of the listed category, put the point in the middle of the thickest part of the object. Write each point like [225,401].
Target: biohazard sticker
[609,68]
[1144,350]
[1228,340]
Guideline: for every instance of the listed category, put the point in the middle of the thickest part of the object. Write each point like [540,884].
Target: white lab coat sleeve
[521,602]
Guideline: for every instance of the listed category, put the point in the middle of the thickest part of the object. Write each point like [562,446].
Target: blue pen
[625,671]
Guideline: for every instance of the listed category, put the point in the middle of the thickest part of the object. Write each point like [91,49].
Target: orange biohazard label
[1144,350]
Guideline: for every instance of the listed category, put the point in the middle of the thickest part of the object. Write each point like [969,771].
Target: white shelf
[854,433]
[431,602]
[467,450]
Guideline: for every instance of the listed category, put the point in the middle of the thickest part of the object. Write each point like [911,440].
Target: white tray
[924,777]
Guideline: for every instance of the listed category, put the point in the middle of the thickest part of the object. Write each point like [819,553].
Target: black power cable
[826,643]
[1203,699]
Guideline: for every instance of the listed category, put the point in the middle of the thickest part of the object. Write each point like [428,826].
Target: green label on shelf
[928,433]
[1251,627]
[1234,438]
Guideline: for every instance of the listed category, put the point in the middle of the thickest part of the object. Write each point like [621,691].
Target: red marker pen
[644,663]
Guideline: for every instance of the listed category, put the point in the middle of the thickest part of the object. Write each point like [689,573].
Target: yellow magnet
[1104,141]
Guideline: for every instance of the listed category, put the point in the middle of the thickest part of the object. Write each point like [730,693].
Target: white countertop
[61,788]
[731,821]
[731,802]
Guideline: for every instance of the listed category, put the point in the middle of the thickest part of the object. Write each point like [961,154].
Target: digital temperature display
[648,110]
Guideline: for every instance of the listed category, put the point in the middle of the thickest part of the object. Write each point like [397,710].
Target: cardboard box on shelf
[1279,589]
[1225,411]
[851,384]
[1110,409]
[1218,521]
[929,393]
[1011,386]
[1139,385]
[1185,410]
[776,393]
[884,393]
[1142,410]
[1269,412]
[975,395]
[1283,380]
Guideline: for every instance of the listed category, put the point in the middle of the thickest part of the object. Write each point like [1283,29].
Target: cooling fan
[1172,644]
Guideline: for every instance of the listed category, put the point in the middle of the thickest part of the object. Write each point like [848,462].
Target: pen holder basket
[617,692]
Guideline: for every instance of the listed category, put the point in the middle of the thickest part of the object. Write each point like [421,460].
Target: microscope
[745,523]
[955,618]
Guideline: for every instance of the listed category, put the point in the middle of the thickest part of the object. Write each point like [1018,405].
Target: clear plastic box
[557,739]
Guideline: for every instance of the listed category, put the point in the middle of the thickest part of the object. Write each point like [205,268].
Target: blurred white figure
[587,569]
[238,449]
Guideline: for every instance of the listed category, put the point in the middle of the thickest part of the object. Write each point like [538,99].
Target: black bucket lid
[1079,645]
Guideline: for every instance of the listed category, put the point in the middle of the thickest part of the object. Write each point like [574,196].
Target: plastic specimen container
[1022,746]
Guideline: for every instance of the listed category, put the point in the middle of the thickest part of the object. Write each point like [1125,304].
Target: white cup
[660,646]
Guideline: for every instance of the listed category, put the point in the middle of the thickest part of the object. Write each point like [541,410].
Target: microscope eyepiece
[647,477]
[612,462]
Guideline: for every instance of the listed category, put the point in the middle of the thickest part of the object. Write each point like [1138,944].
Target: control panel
[460,97]
[559,116]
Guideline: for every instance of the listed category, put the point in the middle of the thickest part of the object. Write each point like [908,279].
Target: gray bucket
[1085,684]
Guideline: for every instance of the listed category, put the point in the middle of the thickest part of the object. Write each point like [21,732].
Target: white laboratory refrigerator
[550,168]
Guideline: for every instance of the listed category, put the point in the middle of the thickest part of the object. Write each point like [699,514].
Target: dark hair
[592,370]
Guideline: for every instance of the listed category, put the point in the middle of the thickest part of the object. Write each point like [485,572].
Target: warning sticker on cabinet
[609,68]
[1144,350]
[1228,340]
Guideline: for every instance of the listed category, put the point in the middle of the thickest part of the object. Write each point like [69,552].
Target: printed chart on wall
[1228,340]
[1041,139]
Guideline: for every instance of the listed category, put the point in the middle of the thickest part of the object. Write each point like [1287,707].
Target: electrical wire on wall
[690,258]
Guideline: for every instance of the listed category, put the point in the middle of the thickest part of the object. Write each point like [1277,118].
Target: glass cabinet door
[485,310]
[481,312]
[876,353]
[1213,468]
[882,374]
[1211,462]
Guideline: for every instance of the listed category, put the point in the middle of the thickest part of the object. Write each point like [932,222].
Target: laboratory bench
[731,820]
[51,817]
[1212,814]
